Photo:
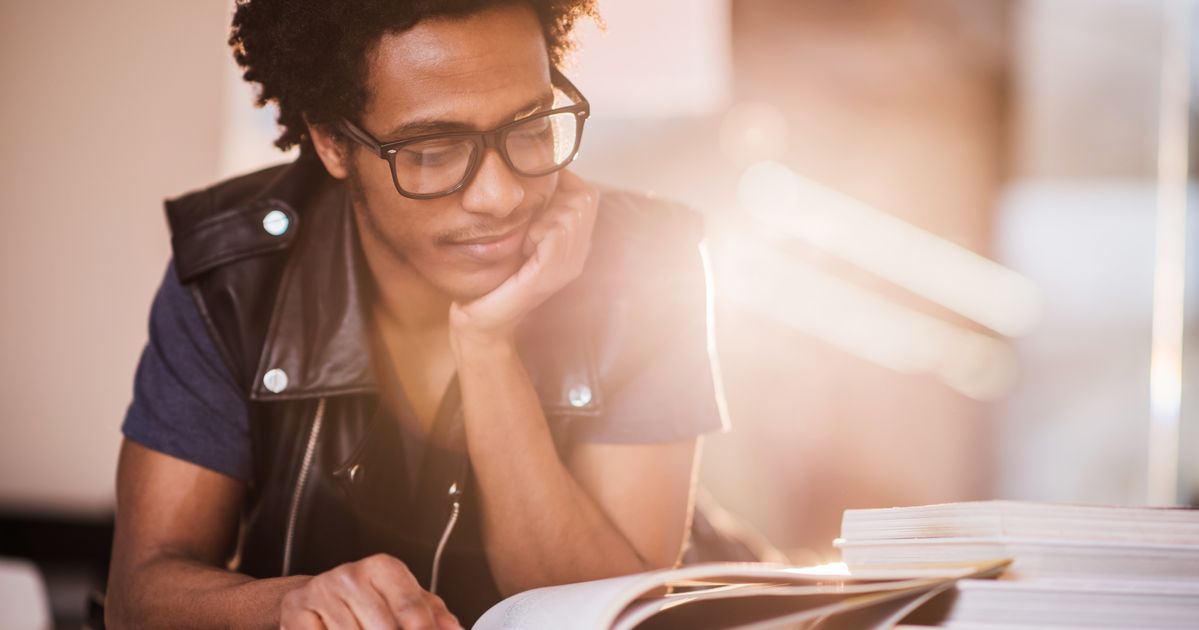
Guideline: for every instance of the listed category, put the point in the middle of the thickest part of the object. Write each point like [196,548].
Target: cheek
[539,190]
[408,232]
[404,226]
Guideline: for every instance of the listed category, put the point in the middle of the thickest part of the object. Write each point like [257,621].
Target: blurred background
[950,242]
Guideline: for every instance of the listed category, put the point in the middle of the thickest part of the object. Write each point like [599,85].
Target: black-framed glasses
[439,164]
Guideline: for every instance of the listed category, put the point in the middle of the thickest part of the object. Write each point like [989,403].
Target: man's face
[453,74]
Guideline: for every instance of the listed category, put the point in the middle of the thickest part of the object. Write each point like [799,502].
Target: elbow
[123,604]
[116,606]
[112,618]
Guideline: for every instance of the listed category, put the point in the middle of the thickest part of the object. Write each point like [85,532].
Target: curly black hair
[309,56]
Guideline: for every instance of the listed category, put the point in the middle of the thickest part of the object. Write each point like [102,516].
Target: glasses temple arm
[360,136]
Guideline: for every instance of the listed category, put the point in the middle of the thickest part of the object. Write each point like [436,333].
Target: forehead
[473,69]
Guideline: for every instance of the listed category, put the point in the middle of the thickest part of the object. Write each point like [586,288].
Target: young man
[425,357]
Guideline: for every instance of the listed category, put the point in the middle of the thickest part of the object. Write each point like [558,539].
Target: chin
[470,285]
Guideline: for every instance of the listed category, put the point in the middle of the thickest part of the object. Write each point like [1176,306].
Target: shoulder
[647,251]
[645,303]
[185,402]
[636,232]
[644,291]
[241,217]
[642,214]
[230,244]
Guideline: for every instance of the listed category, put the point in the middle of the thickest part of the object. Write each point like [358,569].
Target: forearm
[540,526]
[174,592]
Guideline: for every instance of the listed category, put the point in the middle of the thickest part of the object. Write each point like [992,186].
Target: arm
[607,510]
[176,526]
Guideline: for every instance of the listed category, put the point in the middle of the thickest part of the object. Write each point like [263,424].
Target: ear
[329,146]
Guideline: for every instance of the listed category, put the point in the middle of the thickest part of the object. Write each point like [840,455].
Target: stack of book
[1072,565]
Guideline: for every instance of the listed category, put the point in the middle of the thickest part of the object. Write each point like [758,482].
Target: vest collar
[317,343]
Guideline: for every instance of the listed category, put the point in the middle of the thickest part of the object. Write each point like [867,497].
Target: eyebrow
[433,125]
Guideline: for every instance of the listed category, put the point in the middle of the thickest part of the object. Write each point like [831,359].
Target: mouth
[483,240]
[494,248]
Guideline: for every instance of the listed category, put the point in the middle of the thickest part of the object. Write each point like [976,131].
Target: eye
[434,153]
[535,127]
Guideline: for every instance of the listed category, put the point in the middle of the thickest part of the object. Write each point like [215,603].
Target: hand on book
[375,592]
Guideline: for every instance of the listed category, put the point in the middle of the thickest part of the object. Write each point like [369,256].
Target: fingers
[376,592]
[336,614]
[368,606]
[558,242]
[584,203]
[301,620]
[556,248]
[568,180]
[573,209]
[403,595]
[524,286]
[442,615]
[573,205]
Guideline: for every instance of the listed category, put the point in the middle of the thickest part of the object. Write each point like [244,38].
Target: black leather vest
[273,262]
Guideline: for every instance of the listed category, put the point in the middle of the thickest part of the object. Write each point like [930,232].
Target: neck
[406,300]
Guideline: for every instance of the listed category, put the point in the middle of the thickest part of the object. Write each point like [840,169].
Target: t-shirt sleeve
[185,402]
[676,393]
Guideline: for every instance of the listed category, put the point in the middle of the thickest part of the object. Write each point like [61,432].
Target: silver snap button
[579,395]
[275,222]
[275,380]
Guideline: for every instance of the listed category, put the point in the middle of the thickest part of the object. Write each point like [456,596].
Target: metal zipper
[301,481]
[455,508]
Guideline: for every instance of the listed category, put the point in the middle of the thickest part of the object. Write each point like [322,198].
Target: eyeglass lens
[538,146]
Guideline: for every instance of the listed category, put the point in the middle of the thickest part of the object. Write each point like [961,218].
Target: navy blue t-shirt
[187,405]
[185,402]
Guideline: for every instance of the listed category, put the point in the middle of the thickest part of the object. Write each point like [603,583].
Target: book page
[760,593]
[596,604]
[580,606]
[799,596]
[803,610]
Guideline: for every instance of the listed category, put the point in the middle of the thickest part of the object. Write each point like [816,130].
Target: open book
[734,595]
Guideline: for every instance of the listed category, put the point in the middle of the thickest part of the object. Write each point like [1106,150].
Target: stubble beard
[371,228]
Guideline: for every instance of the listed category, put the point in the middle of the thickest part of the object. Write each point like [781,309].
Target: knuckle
[377,561]
[319,587]
[394,565]
[346,578]
[290,603]
[297,606]
[312,586]
[409,599]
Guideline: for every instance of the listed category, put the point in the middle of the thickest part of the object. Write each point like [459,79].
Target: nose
[494,189]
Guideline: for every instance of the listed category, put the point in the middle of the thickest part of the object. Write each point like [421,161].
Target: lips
[492,249]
